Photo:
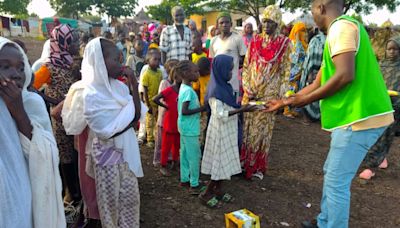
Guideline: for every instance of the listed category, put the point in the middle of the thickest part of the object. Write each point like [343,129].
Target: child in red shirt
[170,135]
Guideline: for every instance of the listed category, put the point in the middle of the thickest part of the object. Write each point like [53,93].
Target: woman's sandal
[213,202]
[226,198]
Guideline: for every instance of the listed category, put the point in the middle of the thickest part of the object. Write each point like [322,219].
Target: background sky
[43,9]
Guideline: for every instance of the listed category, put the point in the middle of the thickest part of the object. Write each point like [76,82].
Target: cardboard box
[242,219]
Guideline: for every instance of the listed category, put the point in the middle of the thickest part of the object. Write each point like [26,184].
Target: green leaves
[162,12]
[113,8]
[15,7]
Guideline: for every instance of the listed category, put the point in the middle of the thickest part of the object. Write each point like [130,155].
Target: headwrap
[108,106]
[209,30]
[193,23]
[272,12]
[391,68]
[224,14]
[219,86]
[395,39]
[41,155]
[61,38]
[294,34]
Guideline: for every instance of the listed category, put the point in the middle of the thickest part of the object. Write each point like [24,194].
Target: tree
[247,7]
[116,8]
[91,18]
[113,8]
[361,7]
[162,12]
[15,7]
[71,8]
[254,7]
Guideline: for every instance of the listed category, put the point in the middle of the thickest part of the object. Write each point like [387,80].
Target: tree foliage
[113,8]
[15,7]
[91,18]
[361,7]
[246,7]
[116,8]
[162,12]
[255,7]
[71,8]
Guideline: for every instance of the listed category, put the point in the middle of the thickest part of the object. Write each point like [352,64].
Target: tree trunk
[257,19]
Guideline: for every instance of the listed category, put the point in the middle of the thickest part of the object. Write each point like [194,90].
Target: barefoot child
[165,83]
[110,112]
[170,134]
[189,125]
[221,151]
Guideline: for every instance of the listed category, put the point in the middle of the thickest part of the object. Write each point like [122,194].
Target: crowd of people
[76,119]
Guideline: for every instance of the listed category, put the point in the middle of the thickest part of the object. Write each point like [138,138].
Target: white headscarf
[41,159]
[108,106]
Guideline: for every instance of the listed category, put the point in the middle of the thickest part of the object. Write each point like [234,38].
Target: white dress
[221,153]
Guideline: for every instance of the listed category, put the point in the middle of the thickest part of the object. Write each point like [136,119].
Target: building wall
[210,19]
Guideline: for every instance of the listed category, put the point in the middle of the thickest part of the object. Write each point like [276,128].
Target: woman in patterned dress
[266,68]
[59,74]
[297,57]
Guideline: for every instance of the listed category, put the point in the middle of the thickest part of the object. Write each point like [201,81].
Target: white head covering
[15,189]
[41,161]
[108,106]
[45,55]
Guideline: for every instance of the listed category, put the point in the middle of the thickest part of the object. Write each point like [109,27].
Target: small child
[155,41]
[135,60]
[221,153]
[165,83]
[170,134]
[197,51]
[151,81]
[201,89]
[189,125]
[142,128]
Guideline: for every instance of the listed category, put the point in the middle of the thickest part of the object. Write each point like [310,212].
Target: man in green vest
[355,106]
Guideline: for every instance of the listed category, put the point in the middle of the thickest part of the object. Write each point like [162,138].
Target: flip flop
[226,198]
[213,202]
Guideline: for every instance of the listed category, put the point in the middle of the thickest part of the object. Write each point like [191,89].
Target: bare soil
[293,180]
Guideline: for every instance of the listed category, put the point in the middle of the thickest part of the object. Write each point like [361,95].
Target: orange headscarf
[295,34]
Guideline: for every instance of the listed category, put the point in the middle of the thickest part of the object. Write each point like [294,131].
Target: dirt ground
[293,180]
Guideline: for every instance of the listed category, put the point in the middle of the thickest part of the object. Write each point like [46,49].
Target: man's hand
[299,100]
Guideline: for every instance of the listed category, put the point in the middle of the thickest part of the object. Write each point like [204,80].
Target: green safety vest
[365,97]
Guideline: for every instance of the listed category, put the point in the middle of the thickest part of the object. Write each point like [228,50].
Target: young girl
[221,151]
[110,112]
[170,134]
[390,67]
[165,83]
[30,182]
[189,125]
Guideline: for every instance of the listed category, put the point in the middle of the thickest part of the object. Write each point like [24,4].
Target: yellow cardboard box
[242,219]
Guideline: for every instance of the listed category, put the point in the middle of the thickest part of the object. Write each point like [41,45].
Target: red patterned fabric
[274,48]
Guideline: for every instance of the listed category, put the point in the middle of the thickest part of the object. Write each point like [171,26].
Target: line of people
[93,125]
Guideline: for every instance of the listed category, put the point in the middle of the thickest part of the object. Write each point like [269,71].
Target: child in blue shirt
[189,110]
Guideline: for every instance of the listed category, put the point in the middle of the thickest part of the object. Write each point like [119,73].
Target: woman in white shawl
[106,106]
[30,183]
